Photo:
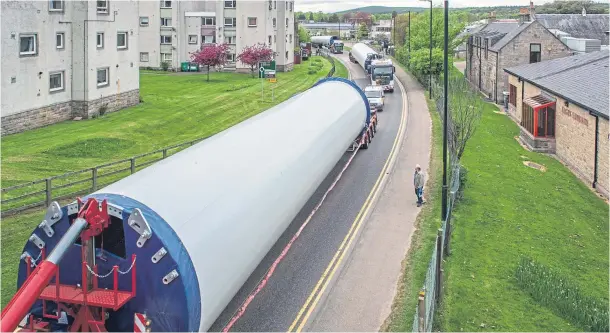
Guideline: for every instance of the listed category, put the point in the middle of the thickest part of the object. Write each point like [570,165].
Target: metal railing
[42,192]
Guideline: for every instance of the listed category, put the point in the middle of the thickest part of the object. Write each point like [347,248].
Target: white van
[376,97]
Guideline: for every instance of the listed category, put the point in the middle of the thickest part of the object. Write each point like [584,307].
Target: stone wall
[485,64]
[59,112]
[112,103]
[285,68]
[35,118]
[517,51]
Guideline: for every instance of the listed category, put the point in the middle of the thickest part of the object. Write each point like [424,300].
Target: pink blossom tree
[213,55]
[252,55]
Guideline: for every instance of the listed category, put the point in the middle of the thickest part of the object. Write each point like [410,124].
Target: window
[286,54]
[230,39]
[56,6]
[100,40]
[166,57]
[166,4]
[166,22]
[512,97]
[486,47]
[27,44]
[274,4]
[144,56]
[270,4]
[269,40]
[102,76]
[166,39]
[144,21]
[208,39]
[230,4]
[291,40]
[252,21]
[209,21]
[59,40]
[102,7]
[290,5]
[230,21]
[231,57]
[121,40]
[192,39]
[535,53]
[56,81]
[274,22]
[286,23]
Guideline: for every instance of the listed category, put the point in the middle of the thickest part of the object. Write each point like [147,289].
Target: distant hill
[381,10]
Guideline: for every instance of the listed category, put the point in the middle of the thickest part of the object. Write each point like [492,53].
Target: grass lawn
[341,70]
[176,108]
[428,221]
[508,211]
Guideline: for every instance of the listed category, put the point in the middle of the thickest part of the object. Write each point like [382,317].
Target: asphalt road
[277,305]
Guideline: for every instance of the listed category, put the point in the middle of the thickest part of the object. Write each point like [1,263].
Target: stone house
[562,107]
[507,43]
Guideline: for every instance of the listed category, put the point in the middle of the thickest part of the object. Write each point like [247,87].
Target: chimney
[524,15]
[532,11]
[492,17]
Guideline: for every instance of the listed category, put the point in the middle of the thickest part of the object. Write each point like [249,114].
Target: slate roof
[499,44]
[592,26]
[497,31]
[581,79]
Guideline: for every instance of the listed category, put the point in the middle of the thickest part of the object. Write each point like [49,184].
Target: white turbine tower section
[362,54]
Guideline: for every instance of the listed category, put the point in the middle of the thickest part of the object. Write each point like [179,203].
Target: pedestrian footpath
[361,296]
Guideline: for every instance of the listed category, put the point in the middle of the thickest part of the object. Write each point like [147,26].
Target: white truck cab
[376,97]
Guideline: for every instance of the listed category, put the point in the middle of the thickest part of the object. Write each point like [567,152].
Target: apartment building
[172,30]
[66,59]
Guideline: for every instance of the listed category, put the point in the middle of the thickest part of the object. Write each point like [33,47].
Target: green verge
[176,108]
[415,263]
[509,211]
[340,70]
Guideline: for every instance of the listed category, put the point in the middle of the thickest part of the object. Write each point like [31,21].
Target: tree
[465,108]
[254,54]
[363,30]
[310,16]
[334,18]
[304,35]
[301,17]
[214,55]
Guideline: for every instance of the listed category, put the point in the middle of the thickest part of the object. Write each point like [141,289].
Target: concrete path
[460,65]
[360,298]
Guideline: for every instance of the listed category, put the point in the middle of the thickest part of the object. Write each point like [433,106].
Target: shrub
[165,65]
[554,291]
[102,110]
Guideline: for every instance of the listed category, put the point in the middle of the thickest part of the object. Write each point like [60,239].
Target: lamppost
[430,67]
[394,28]
[445,109]
[409,42]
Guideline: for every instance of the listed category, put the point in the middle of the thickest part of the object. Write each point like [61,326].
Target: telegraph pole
[409,41]
[445,109]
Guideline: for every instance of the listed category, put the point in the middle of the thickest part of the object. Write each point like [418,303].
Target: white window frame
[107,82]
[164,59]
[35,44]
[62,5]
[230,40]
[146,54]
[102,10]
[166,22]
[269,40]
[164,4]
[255,21]
[144,18]
[99,40]
[233,22]
[122,47]
[204,40]
[231,57]
[195,41]
[61,79]
[232,3]
[164,40]
[209,18]
[63,40]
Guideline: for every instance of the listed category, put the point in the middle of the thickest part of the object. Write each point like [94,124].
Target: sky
[329,6]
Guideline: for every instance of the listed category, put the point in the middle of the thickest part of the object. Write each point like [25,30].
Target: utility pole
[409,41]
[394,27]
[430,67]
[446,111]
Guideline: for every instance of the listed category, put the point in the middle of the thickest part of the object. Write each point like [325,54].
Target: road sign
[269,74]
[273,80]
[264,66]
